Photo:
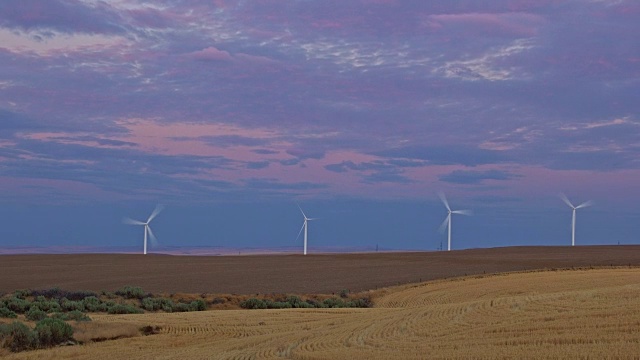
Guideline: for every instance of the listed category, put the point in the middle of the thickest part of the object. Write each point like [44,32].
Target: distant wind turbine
[305,227]
[147,228]
[447,220]
[573,220]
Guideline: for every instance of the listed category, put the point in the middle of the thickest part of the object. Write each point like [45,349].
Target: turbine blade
[129,221]
[566,200]
[444,200]
[305,216]
[444,224]
[300,232]
[463,212]
[309,219]
[152,238]
[155,212]
[585,204]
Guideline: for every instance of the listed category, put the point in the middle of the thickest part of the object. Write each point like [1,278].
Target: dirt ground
[265,274]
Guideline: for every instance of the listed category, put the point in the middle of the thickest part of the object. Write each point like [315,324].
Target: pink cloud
[211,54]
[510,23]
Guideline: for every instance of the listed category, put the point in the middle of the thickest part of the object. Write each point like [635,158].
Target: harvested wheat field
[265,274]
[548,314]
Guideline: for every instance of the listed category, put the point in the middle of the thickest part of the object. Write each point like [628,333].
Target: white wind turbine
[147,228]
[573,219]
[447,220]
[305,227]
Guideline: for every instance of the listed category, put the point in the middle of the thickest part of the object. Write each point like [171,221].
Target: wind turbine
[147,228]
[305,227]
[447,220]
[573,219]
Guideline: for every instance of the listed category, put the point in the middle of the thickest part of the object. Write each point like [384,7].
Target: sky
[231,112]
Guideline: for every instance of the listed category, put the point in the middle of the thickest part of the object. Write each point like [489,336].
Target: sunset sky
[231,112]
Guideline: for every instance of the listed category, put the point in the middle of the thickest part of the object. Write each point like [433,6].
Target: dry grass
[86,332]
[587,314]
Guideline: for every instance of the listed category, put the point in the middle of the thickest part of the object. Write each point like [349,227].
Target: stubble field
[581,313]
[587,314]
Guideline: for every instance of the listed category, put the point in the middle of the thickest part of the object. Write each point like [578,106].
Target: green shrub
[53,331]
[18,337]
[131,292]
[180,307]
[69,305]
[18,305]
[360,303]
[344,293]
[35,314]
[277,304]
[22,294]
[198,305]
[6,313]
[253,303]
[155,304]
[315,303]
[124,309]
[294,301]
[46,305]
[334,303]
[93,304]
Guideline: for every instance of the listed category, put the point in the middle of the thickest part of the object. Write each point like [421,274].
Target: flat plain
[265,274]
[573,313]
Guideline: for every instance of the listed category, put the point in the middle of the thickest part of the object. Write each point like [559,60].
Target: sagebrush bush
[70,305]
[124,309]
[315,303]
[35,314]
[360,303]
[46,305]
[18,305]
[344,293]
[53,332]
[22,294]
[93,304]
[334,303]
[131,292]
[181,307]
[6,313]
[198,305]
[277,304]
[253,303]
[18,337]
[154,304]
[295,301]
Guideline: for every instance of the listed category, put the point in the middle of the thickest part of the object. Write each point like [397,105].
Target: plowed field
[587,314]
[289,273]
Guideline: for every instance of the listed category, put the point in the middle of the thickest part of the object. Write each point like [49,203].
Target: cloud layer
[370,99]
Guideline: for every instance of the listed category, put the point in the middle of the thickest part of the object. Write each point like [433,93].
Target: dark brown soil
[266,274]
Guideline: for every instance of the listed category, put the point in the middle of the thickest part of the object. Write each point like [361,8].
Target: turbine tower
[305,227]
[447,220]
[573,219]
[147,228]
